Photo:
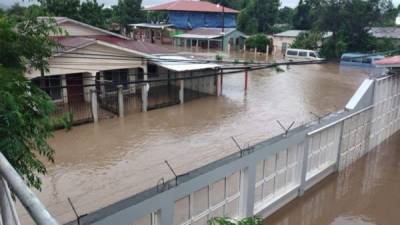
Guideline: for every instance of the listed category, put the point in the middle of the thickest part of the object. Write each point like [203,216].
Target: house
[392,33]
[196,23]
[211,38]
[188,14]
[93,60]
[285,39]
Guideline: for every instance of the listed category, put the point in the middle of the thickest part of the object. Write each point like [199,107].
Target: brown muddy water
[365,193]
[98,164]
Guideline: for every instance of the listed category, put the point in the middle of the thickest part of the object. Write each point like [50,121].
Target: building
[392,33]
[95,63]
[211,38]
[285,39]
[188,14]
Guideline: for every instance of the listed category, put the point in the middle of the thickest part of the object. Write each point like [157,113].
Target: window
[152,71]
[367,60]
[346,59]
[52,86]
[303,54]
[118,77]
[291,52]
[312,54]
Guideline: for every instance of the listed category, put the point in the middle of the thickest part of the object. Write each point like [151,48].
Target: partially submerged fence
[262,178]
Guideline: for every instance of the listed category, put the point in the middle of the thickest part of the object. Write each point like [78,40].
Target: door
[75,88]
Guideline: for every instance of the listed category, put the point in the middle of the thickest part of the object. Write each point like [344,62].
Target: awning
[181,63]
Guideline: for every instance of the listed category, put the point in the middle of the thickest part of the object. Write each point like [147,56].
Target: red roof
[192,6]
[389,62]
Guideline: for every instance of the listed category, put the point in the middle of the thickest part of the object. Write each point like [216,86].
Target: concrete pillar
[247,190]
[245,79]
[304,166]
[219,84]
[6,213]
[102,86]
[255,52]
[244,48]
[131,78]
[181,91]
[267,53]
[95,113]
[120,101]
[145,91]
[64,89]
[229,47]
[208,45]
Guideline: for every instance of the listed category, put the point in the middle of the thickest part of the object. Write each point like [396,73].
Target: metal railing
[10,178]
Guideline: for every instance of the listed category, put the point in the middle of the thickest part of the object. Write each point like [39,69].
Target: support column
[304,167]
[6,213]
[245,79]
[181,91]
[131,78]
[248,186]
[218,84]
[267,53]
[208,45]
[145,91]
[95,113]
[120,101]
[102,86]
[64,89]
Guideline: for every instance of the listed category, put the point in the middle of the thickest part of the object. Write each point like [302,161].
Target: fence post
[6,213]
[181,91]
[145,90]
[266,53]
[303,177]
[120,101]
[340,146]
[247,190]
[95,113]
[245,79]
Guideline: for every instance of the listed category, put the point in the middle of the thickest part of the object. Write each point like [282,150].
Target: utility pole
[223,23]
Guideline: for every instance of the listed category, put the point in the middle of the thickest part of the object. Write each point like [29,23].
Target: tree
[92,13]
[129,11]
[259,41]
[68,8]
[25,110]
[261,14]
[234,4]
[308,40]
[302,18]
[285,15]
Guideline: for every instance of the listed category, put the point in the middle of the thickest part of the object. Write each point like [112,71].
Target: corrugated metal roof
[181,63]
[192,6]
[290,33]
[389,62]
[205,33]
[385,32]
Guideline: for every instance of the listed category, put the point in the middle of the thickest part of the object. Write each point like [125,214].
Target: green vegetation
[229,221]
[259,41]
[349,21]
[219,57]
[25,110]
[258,16]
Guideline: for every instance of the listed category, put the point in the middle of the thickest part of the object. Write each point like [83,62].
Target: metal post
[304,166]
[31,203]
[181,91]
[95,114]
[6,213]
[222,80]
[120,101]
[248,186]
[245,79]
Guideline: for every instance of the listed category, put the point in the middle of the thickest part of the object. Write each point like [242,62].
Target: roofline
[124,49]
[174,10]
[67,19]
[75,48]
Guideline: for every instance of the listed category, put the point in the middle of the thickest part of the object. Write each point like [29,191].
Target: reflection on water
[366,193]
[97,164]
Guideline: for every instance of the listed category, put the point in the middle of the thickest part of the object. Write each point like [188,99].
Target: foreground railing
[32,204]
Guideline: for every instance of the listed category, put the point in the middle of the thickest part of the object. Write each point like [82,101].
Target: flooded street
[98,164]
[365,193]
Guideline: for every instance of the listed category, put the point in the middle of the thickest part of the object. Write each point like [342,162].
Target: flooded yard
[98,164]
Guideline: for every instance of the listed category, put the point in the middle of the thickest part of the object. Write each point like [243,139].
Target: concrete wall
[278,41]
[262,178]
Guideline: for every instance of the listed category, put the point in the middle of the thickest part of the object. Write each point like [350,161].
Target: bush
[259,41]
[308,40]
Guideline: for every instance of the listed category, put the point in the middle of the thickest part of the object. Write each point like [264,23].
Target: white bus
[302,54]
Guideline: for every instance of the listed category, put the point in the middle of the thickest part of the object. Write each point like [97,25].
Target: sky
[290,3]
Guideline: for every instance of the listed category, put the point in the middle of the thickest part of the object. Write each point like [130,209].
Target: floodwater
[365,193]
[98,164]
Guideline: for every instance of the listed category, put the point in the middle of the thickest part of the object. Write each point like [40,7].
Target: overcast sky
[291,3]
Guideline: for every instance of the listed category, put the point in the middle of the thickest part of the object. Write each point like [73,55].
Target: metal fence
[262,178]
